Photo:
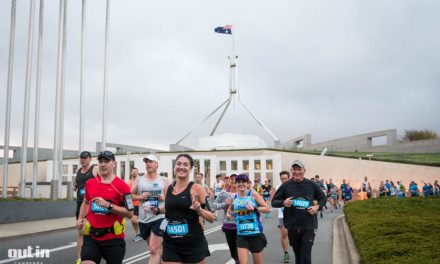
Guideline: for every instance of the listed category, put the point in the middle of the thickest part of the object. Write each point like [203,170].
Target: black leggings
[302,241]
[231,239]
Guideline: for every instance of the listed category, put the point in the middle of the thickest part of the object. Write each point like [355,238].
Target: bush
[412,135]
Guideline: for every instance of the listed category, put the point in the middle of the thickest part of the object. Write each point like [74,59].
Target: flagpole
[24,140]
[82,82]
[37,101]
[8,100]
[56,163]
[104,104]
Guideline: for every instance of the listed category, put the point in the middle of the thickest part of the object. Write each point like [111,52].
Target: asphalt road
[62,244]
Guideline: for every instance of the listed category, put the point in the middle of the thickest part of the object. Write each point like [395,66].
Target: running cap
[151,157]
[85,154]
[298,163]
[108,155]
[242,177]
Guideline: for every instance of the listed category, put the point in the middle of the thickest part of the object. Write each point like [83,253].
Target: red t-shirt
[100,217]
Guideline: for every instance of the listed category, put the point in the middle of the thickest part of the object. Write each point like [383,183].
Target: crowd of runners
[170,215]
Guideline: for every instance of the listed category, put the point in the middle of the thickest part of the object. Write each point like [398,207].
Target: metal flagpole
[63,84]
[82,76]
[24,141]
[104,104]
[8,101]
[55,167]
[37,101]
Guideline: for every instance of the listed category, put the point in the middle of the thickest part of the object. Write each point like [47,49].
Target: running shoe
[137,238]
[286,258]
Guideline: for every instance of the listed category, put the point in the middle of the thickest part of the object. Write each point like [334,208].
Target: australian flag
[224,30]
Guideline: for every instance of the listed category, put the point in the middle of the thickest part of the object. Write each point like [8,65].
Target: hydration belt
[117,229]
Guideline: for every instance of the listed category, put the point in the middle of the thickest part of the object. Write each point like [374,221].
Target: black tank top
[184,230]
[81,179]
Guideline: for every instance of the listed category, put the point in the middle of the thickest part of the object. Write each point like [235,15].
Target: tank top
[218,187]
[248,222]
[155,188]
[81,179]
[184,231]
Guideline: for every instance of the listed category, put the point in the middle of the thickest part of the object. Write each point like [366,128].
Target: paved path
[62,242]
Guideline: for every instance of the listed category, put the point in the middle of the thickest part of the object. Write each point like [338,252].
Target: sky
[328,68]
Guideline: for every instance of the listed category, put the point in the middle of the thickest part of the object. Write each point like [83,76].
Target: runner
[218,185]
[348,193]
[298,196]
[229,227]
[284,176]
[150,190]
[110,201]
[246,207]
[184,240]
[267,191]
[198,178]
[366,187]
[135,219]
[86,172]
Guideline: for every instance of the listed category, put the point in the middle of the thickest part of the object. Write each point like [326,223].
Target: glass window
[257,165]
[234,165]
[222,165]
[173,164]
[269,176]
[269,165]
[246,165]
[257,177]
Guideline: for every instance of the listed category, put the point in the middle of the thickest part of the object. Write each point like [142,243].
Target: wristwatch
[110,206]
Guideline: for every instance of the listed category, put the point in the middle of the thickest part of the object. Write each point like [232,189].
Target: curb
[344,250]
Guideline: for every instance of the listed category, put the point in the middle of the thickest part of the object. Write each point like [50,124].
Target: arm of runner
[198,198]
[133,190]
[263,207]
[118,210]
[221,201]
[209,191]
[278,198]
[82,214]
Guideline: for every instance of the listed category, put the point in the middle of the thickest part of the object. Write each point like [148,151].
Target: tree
[413,134]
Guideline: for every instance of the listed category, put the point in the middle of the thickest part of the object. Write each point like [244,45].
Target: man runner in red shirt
[107,201]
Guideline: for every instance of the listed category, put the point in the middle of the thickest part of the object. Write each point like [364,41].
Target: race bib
[154,203]
[97,209]
[247,226]
[301,204]
[218,190]
[82,191]
[177,229]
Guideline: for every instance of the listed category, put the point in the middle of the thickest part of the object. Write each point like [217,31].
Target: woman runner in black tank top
[183,239]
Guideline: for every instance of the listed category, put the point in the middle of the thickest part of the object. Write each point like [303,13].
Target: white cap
[151,157]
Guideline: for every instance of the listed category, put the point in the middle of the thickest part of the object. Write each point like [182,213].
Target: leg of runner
[155,245]
[231,239]
[257,258]
[284,244]
[79,243]
[135,223]
[243,255]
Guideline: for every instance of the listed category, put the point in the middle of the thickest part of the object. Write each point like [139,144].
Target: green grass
[390,230]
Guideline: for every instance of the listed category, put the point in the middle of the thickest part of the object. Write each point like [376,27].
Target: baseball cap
[108,155]
[85,154]
[227,176]
[298,163]
[151,157]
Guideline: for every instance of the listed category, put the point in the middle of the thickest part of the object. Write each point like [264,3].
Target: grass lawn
[391,230]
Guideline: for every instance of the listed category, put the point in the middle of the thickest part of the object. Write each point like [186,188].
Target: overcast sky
[329,68]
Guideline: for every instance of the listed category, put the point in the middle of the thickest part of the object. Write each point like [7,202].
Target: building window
[173,163]
[65,169]
[257,165]
[234,165]
[269,165]
[269,176]
[246,165]
[257,177]
[222,165]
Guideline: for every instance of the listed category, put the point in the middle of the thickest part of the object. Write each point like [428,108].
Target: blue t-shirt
[248,222]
